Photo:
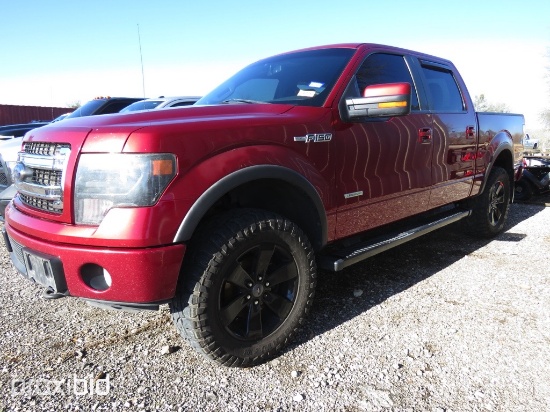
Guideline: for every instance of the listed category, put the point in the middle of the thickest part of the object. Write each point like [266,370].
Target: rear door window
[442,89]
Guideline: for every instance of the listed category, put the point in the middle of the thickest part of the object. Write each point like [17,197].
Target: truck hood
[136,120]
[108,133]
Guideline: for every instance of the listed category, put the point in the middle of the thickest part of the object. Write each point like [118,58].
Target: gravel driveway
[445,323]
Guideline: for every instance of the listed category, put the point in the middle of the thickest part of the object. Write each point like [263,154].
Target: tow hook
[49,293]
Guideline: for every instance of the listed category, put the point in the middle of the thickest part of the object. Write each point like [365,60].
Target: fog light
[96,277]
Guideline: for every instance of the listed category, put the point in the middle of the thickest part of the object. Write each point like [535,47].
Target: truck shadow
[543,200]
[389,273]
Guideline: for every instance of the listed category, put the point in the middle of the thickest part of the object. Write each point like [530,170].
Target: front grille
[39,148]
[47,177]
[42,204]
[41,186]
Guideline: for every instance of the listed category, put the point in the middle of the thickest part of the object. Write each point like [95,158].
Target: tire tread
[214,242]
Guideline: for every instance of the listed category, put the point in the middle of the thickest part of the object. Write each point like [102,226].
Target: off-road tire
[523,190]
[490,208]
[246,285]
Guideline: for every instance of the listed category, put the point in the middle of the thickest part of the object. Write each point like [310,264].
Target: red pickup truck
[224,210]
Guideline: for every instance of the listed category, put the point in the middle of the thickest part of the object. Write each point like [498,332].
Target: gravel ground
[445,323]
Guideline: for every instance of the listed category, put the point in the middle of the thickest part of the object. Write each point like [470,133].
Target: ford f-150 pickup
[317,158]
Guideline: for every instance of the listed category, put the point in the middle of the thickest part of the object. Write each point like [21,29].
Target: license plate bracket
[44,270]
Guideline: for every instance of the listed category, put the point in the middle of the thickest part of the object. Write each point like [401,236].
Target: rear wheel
[247,283]
[490,208]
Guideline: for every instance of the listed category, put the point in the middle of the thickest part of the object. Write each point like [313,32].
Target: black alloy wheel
[247,283]
[259,292]
[490,208]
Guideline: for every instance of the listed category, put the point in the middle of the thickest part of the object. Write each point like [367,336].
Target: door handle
[425,135]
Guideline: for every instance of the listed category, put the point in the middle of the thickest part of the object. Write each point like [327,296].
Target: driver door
[385,164]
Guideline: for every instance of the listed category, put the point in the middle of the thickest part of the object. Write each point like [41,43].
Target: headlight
[105,181]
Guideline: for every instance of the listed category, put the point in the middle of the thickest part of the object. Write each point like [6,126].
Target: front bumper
[136,275]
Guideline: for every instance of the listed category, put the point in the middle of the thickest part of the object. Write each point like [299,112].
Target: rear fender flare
[500,146]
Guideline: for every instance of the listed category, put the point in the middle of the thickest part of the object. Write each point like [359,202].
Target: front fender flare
[240,177]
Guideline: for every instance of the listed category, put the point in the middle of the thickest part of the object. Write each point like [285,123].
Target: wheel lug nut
[267,283]
[259,278]
[248,297]
[256,302]
[249,284]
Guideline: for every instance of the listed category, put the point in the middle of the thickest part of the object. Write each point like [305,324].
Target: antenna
[141,57]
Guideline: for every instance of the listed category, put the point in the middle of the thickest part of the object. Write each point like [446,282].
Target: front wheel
[247,283]
[490,208]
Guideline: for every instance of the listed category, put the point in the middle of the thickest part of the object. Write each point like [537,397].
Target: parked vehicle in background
[535,179]
[103,105]
[8,158]
[11,137]
[61,117]
[9,148]
[161,102]
[18,130]
[9,151]
[529,142]
[317,157]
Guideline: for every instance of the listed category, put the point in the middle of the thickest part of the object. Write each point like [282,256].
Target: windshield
[301,78]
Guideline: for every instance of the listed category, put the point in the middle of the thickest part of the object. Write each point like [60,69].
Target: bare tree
[74,105]
[482,105]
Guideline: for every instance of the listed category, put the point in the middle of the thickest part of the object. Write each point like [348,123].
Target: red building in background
[13,114]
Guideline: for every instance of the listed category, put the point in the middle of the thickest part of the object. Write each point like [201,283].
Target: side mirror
[381,100]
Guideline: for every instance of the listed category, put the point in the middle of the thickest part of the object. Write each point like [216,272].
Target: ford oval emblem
[20,172]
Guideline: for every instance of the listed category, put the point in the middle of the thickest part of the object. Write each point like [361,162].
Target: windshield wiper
[247,101]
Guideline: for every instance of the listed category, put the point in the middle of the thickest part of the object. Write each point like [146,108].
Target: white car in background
[161,102]
[530,143]
[8,157]
[9,149]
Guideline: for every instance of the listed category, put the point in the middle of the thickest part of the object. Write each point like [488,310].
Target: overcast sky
[54,53]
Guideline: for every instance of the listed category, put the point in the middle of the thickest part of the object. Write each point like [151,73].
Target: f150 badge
[314,137]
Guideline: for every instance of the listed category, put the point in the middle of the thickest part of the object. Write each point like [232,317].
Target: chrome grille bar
[39,175]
